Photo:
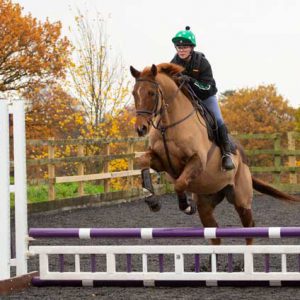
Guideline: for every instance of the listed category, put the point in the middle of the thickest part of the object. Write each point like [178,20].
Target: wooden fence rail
[290,151]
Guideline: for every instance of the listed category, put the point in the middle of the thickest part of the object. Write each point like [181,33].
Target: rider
[198,72]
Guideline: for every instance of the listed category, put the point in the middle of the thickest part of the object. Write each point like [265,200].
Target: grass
[39,193]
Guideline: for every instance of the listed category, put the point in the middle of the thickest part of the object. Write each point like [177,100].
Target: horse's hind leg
[206,206]
[247,220]
[241,196]
[186,204]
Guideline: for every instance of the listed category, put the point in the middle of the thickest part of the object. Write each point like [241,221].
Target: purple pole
[267,263]
[128,258]
[61,263]
[36,281]
[193,232]
[230,263]
[197,263]
[93,263]
[161,263]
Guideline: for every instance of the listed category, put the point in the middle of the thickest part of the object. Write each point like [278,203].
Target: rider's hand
[185,78]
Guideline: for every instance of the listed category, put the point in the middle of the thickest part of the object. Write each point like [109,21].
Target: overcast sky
[248,42]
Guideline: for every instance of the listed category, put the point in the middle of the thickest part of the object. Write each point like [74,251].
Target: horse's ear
[154,70]
[135,73]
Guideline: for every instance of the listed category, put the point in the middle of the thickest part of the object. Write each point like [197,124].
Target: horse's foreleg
[147,161]
[190,172]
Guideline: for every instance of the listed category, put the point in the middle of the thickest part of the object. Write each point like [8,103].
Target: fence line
[278,152]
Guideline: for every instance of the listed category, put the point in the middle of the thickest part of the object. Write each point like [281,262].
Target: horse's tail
[264,188]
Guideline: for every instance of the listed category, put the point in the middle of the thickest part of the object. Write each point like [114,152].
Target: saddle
[208,116]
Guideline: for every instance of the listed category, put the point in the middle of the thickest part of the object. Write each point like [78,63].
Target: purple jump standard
[153,233]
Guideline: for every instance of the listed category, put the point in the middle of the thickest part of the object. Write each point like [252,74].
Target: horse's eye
[150,93]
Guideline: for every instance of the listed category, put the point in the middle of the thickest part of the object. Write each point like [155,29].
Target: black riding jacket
[198,68]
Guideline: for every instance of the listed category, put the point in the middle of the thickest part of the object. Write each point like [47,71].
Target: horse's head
[147,94]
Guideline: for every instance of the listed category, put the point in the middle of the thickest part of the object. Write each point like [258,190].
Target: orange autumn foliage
[31,51]
[257,110]
[52,113]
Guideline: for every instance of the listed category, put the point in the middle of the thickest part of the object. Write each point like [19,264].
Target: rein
[159,112]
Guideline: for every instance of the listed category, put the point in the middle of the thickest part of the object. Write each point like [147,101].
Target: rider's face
[184,52]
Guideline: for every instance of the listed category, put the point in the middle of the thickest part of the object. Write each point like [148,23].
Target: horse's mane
[171,70]
[166,68]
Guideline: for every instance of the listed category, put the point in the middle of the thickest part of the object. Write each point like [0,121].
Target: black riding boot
[227,163]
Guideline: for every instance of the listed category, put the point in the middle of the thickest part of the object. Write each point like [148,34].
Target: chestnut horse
[180,146]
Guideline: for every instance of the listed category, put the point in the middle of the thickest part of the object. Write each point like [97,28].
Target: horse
[179,145]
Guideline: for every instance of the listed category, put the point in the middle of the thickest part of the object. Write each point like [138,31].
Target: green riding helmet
[184,38]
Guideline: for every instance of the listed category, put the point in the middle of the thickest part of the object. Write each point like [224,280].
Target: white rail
[248,273]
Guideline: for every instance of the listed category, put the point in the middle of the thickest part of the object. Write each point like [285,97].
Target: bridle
[160,112]
[154,112]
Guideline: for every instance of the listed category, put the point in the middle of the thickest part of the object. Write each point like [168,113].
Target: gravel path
[267,212]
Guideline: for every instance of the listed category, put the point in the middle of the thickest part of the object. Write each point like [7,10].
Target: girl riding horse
[198,73]
[180,146]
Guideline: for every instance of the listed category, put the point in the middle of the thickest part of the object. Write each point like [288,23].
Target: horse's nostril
[142,130]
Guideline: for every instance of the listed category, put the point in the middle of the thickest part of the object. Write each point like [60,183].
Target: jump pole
[134,275]
[165,233]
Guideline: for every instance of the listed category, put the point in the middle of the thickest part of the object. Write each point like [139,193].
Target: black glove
[185,78]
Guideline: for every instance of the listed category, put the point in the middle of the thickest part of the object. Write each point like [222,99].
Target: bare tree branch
[100,84]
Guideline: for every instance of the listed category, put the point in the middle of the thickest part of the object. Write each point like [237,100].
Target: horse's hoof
[153,203]
[191,209]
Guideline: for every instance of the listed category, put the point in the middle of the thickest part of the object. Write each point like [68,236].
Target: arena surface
[267,212]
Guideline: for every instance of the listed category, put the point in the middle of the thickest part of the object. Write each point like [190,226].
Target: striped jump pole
[147,265]
[166,233]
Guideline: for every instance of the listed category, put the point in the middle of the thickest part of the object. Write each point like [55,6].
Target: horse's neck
[177,106]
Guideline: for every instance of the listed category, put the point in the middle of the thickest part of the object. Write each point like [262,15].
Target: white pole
[4,193]
[20,186]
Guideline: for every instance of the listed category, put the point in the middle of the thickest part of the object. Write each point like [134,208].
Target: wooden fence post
[130,150]
[51,172]
[106,164]
[292,158]
[277,160]
[80,170]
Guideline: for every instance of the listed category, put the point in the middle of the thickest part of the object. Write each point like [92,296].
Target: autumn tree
[98,81]
[31,52]
[52,112]
[257,110]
